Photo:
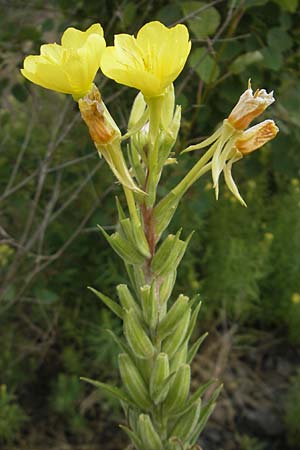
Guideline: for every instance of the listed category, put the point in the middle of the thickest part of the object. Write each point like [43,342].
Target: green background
[244,262]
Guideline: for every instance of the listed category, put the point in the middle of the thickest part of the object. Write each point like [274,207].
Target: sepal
[172,343]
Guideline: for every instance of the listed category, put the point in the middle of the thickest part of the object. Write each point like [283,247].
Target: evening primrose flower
[249,106]
[69,68]
[151,61]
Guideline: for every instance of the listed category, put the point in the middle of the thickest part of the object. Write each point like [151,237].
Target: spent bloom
[256,136]
[249,106]
[69,68]
[151,61]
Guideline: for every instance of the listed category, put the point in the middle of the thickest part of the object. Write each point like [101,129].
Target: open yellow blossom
[249,106]
[71,67]
[151,61]
[256,136]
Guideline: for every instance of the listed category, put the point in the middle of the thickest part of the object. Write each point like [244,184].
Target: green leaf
[204,65]
[279,39]
[112,390]
[202,19]
[242,61]
[272,58]
[288,5]
[113,306]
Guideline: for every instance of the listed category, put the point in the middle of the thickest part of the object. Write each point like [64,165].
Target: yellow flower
[71,67]
[256,136]
[249,106]
[151,61]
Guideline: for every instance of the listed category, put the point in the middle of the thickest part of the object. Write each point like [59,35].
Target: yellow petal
[73,38]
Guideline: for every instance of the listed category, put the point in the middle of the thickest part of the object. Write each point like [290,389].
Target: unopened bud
[249,106]
[187,423]
[148,434]
[179,390]
[136,336]
[256,136]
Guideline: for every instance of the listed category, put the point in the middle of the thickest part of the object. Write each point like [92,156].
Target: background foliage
[244,262]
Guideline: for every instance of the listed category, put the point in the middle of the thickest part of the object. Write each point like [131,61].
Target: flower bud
[179,390]
[167,286]
[159,373]
[249,106]
[187,423]
[170,321]
[149,305]
[172,343]
[134,382]
[136,336]
[256,136]
[180,357]
[127,300]
[123,248]
[148,435]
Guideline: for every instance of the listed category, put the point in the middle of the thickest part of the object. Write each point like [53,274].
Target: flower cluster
[155,363]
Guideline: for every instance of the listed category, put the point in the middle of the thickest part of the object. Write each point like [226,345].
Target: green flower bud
[149,305]
[136,336]
[123,248]
[163,252]
[134,382]
[170,321]
[167,286]
[160,372]
[187,423]
[179,358]
[179,390]
[172,343]
[148,435]
[127,300]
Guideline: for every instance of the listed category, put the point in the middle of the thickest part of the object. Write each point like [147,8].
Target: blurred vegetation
[54,191]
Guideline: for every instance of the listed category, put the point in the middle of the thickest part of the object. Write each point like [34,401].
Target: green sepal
[172,342]
[186,424]
[123,248]
[179,390]
[136,336]
[160,371]
[194,348]
[133,437]
[134,383]
[111,390]
[127,300]
[149,436]
[170,321]
[113,306]
[149,305]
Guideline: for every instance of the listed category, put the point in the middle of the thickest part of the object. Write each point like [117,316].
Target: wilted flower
[71,67]
[249,106]
[256,136]
[151,61]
